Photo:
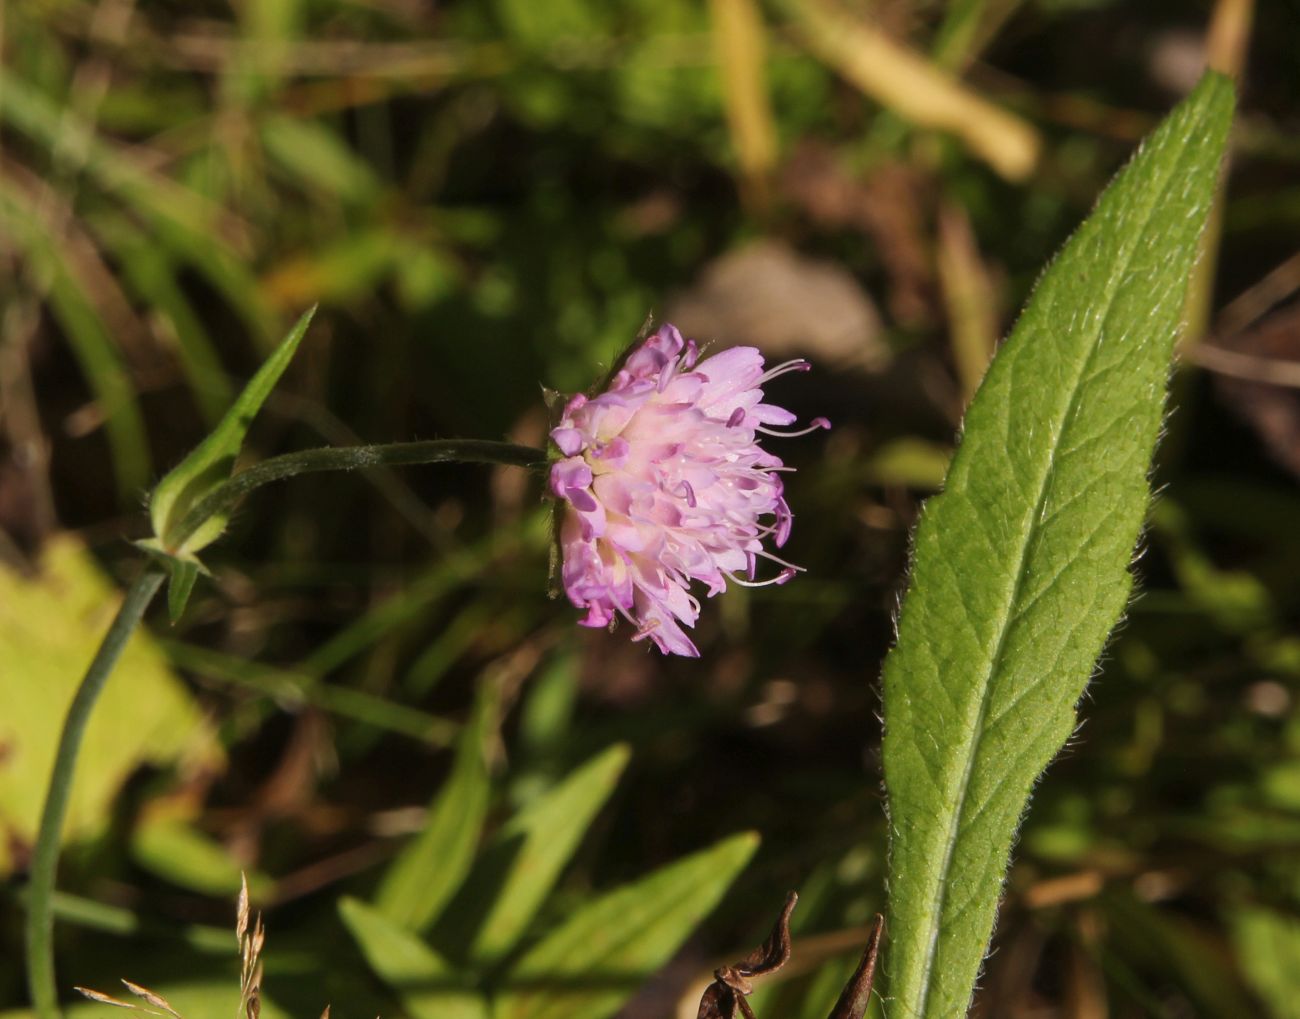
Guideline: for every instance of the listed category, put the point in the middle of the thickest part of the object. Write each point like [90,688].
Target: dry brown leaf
[1270,408]
[784,303]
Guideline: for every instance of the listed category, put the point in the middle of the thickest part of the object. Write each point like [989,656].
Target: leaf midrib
[1017,587]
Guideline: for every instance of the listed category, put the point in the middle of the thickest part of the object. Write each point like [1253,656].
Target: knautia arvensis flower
[662,482]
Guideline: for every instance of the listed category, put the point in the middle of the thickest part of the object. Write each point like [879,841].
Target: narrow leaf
[181,575]
[83,324]
[543,838]
[423,981]
[213,460]
[1268,951]
[912,86]
[150,271]
[1021,564]
[594,962]
[427,873]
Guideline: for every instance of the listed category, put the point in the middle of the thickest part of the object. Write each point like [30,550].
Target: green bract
[1021,565]
[177,538]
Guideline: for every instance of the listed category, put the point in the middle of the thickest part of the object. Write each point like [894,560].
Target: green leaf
[315,155]
[1190,956]
[426,985]
[430,869]
[1268,951]
[149,270]
[50,625]
[71,300]
[213,460]
[1021,564]
[594,962]
[541,839]
[181,577]
[179,219]
[178,852]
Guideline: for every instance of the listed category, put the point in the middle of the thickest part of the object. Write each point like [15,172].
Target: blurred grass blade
[967,28]
[125,923]
[42,119]
[738,41]
[1268,952]
[180,219]
[1021,564]
[291,690]
[545,835]
[905,82]
[595,961]
[423,981]
[968,297]
[908,462]
[150,272]
[266,31]
[427,873]
[1227,44]
[176,851]
[88,336]
[213,461]
[317,157]
[114,391]
[417,597]
[1150,938]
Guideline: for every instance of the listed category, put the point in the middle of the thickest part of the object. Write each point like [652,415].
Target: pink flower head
[664,483]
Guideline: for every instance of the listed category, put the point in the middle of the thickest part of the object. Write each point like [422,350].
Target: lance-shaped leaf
[427,873]
[591,965]
[538,842]
[207,467]
[213,461]
[425,983]
[1021,564]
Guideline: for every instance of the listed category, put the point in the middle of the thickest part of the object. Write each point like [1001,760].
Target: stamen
[796,365]
[780,578]
[777,559]
[817,425]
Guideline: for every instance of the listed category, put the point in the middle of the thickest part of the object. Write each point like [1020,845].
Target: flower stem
[45,858]
[40,930]
[224,497]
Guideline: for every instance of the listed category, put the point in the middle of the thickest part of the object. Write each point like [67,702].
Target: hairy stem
[224,497]
[40,949]
[45,858]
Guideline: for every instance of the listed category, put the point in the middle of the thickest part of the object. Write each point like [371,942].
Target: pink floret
[664,484]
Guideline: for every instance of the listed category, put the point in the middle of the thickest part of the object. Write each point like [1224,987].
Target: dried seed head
[104,999]
[154,999]
[241,909]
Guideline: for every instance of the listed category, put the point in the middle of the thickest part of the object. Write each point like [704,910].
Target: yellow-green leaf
[543,837]
[591,965]
[423,980]
[427,873]
[50,625]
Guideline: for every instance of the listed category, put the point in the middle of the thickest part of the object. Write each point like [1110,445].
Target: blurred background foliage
[488,197]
